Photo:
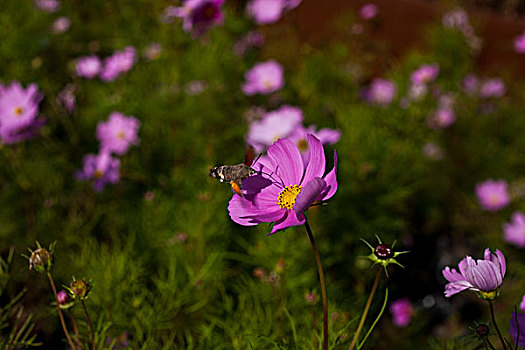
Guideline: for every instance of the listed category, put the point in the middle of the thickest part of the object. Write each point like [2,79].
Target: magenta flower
[482,276]
[62,297]
[401,311]
[118,133]
[492,194]
[264,78]
[425,74]
[285,188]
[368,11]
[102,168]
[382,91]
[48,5]
[88,66]
[514,232]
[265,11]
[492,88]
[443,118]
[514,329]
[19,112]
[273,126]
[519,43]
[198,15]
[60,25]
[118,63]
[522,305]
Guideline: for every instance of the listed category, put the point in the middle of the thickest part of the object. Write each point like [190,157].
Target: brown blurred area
[400,28]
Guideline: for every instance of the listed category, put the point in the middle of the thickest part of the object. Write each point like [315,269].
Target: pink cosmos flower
[443,118]
[273,126]
[48,5]
[470,84]
[519,43]
[285,188]
[264,78]
[19,112]
[493,195]
[368,11]
[425,74]
[514,329]
[492,88]
[382,91]
[299,136]
[118,63]
[265,11]
[522,305]
[198,15]
[118,133]
[482,276]
[401,311]
[88,66]
[102,168]
[514,232]
[60,25]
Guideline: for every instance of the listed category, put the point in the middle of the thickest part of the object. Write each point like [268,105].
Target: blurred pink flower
[102,168]
[522,305]
[60,25]
[442,118]
[19,112]
[265,11]
[432,151]
[519,43]
[382,91]
[118,133]
[470,84]
[492,88]
[368,11]
[153,51]
[273,126]
[401,311]
[263,78]
[517,333]
[481,276]
[198,15]
[48,5]
[88,66]
[493,194]
[425,74]
[67,98]
[251,39]
[118,63]
[514,232]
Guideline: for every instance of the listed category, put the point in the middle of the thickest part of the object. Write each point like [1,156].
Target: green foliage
[167,265]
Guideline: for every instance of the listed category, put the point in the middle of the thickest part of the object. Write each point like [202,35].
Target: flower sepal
[488,296]
[383,254]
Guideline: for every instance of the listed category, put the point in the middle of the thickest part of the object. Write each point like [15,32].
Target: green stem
[60,311]
[323,286]
[365,312]
[90,325]
[75,330]
[487,341]
[360,345]
[496,325]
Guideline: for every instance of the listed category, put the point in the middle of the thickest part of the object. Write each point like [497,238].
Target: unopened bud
[40,260]
[384,252]
[80,289]
[62,297]
[483,330]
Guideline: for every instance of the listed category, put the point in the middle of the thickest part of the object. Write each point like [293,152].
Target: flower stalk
[496,325]
[367,308]
[89,323]
[323,286]
[69,340]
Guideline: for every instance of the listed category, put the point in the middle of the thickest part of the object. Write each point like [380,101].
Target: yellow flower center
[121,135]
[98,174]
[286,199]
[267,83]
[19,111]
[302,145]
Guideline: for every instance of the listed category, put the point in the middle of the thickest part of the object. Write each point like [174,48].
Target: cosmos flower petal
[514,329]
[502,262]
[287,161]
[289,220]
[452,275]
[316,164]
[240,209]
[331,182]
[307,196]
[456,287]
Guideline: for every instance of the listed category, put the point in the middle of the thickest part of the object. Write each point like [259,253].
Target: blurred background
[423,101]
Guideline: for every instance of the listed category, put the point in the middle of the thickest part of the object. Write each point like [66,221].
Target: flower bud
[62,297]
[80,289]
[483,330]
[40,260]
[384,252]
